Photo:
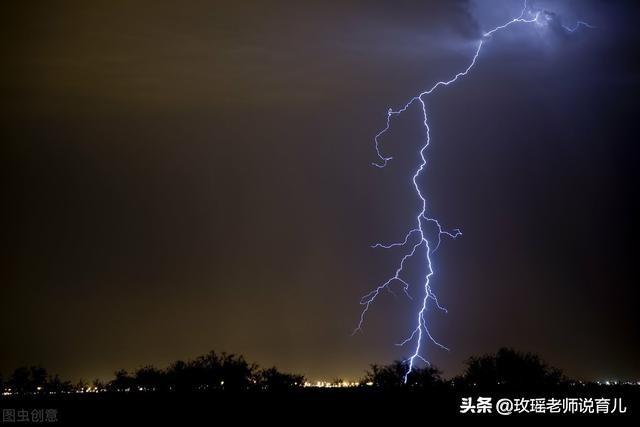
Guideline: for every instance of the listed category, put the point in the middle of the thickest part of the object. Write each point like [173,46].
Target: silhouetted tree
[176,375]
[207,372]
[98,384]
[427,377]
[56,385]
[149,378]
[28,379]
[19,380]
[122,382]
[393,376]
[510,369]
[237,374]
[81,385]
[38,377]
[386,376]
[211,372]
[273,380]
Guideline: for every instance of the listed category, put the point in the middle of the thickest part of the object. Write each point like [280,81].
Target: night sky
[181,177]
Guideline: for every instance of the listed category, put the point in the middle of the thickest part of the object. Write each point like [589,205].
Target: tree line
[210,372]
[506,369]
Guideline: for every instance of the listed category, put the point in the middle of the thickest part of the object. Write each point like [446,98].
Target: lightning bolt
[418,238]
[578,25]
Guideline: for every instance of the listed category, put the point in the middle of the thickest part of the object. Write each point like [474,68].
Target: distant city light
[332,384]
